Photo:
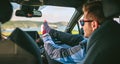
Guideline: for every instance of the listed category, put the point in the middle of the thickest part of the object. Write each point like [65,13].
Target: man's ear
[95,25]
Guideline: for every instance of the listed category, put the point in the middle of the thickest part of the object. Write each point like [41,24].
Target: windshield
[57,18]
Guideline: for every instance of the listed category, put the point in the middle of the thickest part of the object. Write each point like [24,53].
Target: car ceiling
[110,7]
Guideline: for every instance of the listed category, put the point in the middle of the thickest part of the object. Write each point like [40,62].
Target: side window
[75,30]
[117,19]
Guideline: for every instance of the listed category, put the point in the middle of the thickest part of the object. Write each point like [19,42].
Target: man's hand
[45,28]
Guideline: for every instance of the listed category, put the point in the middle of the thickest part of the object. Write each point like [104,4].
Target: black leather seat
[24,49]
[11,53]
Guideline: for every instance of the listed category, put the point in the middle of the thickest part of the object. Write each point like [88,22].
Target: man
[93,17]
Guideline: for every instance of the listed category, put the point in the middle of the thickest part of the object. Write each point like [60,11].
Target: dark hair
[6,11]
[94,11]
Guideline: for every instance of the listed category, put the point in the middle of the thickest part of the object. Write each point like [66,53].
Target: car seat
[20,49]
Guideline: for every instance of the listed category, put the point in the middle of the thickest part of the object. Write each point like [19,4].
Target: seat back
[26,46]
[111,8]
[11,53]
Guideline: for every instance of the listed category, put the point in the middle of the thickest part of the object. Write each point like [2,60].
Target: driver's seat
[23,49]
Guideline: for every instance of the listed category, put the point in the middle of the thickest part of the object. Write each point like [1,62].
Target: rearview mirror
[34,13]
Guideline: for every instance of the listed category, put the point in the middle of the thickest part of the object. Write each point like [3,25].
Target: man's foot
[45,28]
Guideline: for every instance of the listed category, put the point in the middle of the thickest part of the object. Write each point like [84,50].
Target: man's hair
[5,11]
[94,11]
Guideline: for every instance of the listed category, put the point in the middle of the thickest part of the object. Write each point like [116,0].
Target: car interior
[21,47]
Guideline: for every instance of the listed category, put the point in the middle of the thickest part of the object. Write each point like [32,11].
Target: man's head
[93,17]
[5,11]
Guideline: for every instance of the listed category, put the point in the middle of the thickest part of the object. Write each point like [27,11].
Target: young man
[93,16]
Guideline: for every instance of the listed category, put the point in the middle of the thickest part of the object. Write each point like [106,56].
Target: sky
[49,13]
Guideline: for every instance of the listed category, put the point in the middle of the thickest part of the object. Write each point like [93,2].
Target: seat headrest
[5,11]
[111,7]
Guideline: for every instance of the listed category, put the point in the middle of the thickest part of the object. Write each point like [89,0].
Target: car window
[75,30]
[117,19]
[57,17]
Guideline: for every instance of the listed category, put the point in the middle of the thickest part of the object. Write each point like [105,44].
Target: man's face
[87,27]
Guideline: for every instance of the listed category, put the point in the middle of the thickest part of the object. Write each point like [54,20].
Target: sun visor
[111,7]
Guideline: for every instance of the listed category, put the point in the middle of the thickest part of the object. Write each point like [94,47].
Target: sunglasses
[82,22]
